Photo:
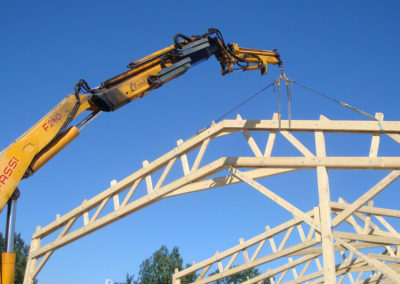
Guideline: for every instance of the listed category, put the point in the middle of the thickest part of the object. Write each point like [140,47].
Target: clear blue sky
[347,49]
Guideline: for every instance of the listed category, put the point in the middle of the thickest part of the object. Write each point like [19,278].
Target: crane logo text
[138,84]
[51,121]
[8,170]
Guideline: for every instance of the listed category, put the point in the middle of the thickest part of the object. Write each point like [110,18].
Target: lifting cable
[343,104]
[236,107]
[276,84]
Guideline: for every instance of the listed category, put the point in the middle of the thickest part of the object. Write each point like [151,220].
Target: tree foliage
[21,250]
[160,267]
[240,277]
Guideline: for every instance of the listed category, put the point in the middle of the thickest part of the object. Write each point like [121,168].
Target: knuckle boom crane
[53,132]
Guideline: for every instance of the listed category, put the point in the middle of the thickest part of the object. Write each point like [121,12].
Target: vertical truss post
[325,212]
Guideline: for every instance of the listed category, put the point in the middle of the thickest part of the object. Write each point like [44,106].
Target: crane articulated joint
[153,71]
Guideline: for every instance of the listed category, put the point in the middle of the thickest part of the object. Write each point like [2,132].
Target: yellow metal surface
[15,160]
[128,86]
[7,268]
[54,147]
[47,137]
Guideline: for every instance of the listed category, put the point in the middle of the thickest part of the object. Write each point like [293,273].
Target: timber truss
[334,241]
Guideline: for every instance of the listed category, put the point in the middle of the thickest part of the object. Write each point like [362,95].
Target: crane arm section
[153,71]
[48,136]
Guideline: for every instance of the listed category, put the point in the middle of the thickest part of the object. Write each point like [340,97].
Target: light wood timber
[200,155]
[366,197]
[149,182]
[184,160]
[373,262]
[274,197]
[368,210]
[266,235]
[165,173]
[373,152]
[285,267]
[31,262]
[325,212]
[257,262]
[250,140]
[296,143]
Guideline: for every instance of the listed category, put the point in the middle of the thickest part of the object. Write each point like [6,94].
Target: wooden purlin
[196,177]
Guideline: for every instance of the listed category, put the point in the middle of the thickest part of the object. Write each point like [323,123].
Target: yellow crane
[53,132]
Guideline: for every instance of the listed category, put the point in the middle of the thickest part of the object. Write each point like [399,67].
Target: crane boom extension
[153,71]
[51,134]
[48,136]
[37,145]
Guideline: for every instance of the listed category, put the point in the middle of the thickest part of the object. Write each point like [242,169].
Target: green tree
[160,267]
[128,280]
[21,250]
[240,277]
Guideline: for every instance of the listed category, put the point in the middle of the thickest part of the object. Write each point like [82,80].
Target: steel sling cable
[343,104]
[238,106]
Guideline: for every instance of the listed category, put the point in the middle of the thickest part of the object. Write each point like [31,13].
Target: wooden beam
[131,192]
[318,250]
[184,160]
[297,144]
[250,140]
[31,263]
[200,155]
[355,163]
[257,262]
[165,173]
[369,210]
[385,182]
[280,269]
[149,183]
[228,180]
[367,238]
[325,213]
[373,151]
[274,197]
[268,234]
[373,262]
[337,126]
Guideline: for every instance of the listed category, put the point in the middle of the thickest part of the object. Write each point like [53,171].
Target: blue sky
[347,49]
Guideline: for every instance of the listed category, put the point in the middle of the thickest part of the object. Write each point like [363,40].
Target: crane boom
[53,132]
[48,136]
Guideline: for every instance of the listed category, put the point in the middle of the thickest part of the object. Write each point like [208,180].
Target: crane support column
[8,257]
